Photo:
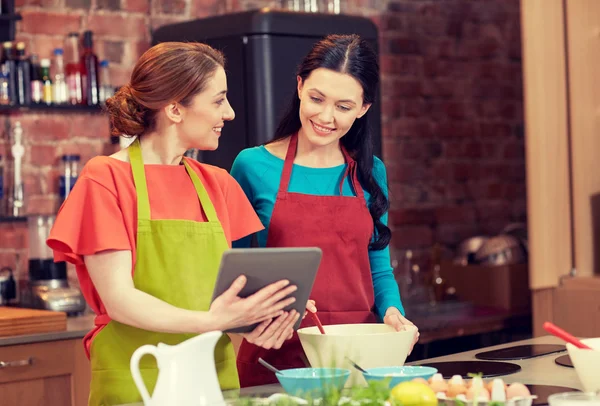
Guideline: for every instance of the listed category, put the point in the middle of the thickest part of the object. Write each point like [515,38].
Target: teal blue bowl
[312,382]
[399,374]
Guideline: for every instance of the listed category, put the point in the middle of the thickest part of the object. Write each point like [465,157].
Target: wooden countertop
[77,327]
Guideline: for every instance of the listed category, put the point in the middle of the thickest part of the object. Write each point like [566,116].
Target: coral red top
[101,211]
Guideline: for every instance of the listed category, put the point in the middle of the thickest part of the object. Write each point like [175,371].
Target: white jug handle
[135,370]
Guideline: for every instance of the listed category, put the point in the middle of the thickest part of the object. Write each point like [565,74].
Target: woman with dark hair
[146,227]
[317,183]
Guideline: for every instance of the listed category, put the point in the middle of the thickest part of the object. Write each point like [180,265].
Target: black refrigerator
[263,48]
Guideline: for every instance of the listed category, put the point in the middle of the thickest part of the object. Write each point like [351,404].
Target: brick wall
[452,106]
[453,121]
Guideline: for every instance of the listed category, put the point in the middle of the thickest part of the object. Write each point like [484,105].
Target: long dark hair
[351,55]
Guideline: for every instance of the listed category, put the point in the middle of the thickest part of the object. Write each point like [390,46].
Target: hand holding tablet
[268,303]
[275,279]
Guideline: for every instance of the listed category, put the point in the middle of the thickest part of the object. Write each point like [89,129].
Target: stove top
[564,361]
[520,352]
[488,369]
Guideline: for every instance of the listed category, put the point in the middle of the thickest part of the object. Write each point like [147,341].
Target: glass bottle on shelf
[37,87]
[8,61]
[106,89]
[332,6]
[59,84]
[23,76]
[308,6]
[90,81]
[45,63]
[74,70]
[68,174]
[4,91]
[292,5]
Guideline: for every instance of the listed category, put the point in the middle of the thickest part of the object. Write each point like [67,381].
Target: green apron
[177,262]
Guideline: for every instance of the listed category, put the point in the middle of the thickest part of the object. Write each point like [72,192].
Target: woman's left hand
[394,318]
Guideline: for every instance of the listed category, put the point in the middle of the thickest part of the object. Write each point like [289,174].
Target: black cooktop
[564,361]
[520,352]
[488,369]
[543,391]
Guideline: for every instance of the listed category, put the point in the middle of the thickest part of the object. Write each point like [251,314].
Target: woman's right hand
[230,311]
[272,334]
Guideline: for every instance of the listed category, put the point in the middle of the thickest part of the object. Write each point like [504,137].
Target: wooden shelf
[6,109]
[10,17]
[10,219]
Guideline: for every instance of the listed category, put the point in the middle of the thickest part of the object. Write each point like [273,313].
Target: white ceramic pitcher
[187,375]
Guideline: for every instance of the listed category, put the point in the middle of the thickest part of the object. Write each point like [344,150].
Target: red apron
[342,227]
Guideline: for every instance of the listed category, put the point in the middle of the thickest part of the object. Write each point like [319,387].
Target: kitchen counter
[540,370]
[77,327]
[535,371]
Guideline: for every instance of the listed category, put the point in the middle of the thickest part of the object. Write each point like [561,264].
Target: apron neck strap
[141,188]
[289,162]
[205,202]
[139,179]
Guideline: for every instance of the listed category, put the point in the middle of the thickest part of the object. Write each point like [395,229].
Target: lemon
[413,394]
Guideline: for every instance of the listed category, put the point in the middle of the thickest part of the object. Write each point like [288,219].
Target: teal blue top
[259,172]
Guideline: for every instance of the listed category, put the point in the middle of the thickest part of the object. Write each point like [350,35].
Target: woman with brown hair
[146,227]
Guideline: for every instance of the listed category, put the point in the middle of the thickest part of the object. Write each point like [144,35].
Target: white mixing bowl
[587,363]
[368,345]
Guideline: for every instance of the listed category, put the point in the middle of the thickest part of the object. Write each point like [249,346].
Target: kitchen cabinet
[53,373]
[560,42]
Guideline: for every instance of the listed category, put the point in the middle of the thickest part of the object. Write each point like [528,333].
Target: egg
[420,380]
[455,389]
[517,390]
[479,391]
[438,384]
[456,386]
[456,380]
[476,382]
[497,389]
[490,385]
[436,377]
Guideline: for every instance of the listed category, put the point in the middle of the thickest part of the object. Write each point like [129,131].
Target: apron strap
[139,179]
[351,169]
[205,202]
[289,162]
[141,188]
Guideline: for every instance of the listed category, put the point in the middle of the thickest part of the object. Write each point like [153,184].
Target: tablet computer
[263,266]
